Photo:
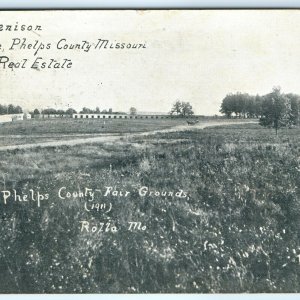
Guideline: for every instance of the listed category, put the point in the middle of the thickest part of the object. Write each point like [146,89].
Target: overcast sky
[195,56]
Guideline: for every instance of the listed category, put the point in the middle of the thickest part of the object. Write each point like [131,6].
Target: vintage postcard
[149,151]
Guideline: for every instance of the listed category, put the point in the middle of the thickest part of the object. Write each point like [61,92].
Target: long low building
[120,116]
[51,116]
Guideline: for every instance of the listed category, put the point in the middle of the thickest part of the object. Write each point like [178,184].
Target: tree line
[10,109]
[53,111]
[275,109]
[243,105]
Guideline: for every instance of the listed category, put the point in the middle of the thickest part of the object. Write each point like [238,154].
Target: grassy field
[236,231]
[50,130]
[85,126]
[46,130]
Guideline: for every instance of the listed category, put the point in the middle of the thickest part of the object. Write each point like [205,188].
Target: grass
[48,130]
[237,231]
[84,126]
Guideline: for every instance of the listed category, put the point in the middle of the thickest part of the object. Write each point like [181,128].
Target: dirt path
[195,127]
[112,138]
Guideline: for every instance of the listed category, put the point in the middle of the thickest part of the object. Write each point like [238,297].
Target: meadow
[236,231]
[84,126]
[62,129]
[46,130]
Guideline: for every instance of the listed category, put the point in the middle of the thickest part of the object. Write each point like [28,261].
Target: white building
[14,117]
[118,116]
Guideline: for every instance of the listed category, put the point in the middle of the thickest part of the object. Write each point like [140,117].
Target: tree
[275,110]
[18,109]
[71,111]
[3,109]
[132,111]
[247,106]
[226,106]
[60,112]
[250,107]
[258,106]
[187,109]
[36,111]
[176,109]
[49,111]
[86,110]
[295,108]
[10,109]
[242,105]
[182,109]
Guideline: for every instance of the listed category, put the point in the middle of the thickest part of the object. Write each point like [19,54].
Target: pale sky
[195,56]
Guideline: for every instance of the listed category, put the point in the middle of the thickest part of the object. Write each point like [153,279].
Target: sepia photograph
[149,151]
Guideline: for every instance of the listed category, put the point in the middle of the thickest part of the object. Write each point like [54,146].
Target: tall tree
[295,108]
[71,111]
[176,109]
[274,110]
[226,106]
[182,109]
[86,110]
[186,109]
